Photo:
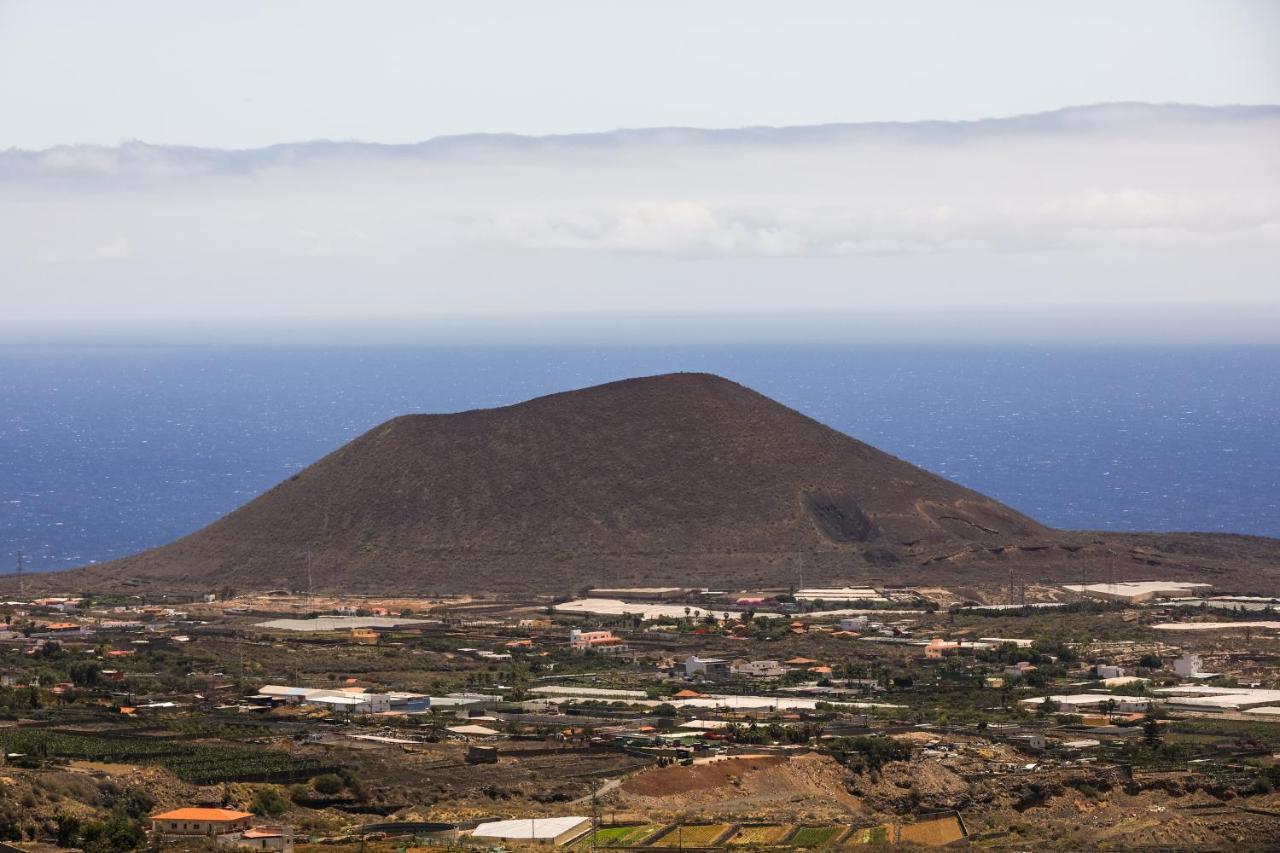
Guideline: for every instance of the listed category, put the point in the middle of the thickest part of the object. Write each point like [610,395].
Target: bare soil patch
[666,781]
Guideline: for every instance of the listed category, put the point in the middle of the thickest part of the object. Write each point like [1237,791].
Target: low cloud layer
[1113,204]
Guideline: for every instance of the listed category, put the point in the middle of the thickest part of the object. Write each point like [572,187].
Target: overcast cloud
[1107,205]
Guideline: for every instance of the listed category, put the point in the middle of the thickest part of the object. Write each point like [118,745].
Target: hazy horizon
[1082,219]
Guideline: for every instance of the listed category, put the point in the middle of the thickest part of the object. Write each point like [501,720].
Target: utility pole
[22,582]
[595,813]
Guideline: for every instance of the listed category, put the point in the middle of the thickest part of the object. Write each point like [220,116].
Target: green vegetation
[814,836]
[268,802]
[869,753]
[195,763]
[621,836]
[328,784]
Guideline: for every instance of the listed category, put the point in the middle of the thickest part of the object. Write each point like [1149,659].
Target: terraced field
[872,835]
[768,834]
[621,836]
[695,834]
[943,830]
[815,836]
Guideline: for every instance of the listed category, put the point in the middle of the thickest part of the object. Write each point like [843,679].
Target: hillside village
[1068,716]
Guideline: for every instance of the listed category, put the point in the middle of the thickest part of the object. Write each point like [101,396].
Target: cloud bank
[1112,204]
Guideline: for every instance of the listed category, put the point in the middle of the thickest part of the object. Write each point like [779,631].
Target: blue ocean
[108,450]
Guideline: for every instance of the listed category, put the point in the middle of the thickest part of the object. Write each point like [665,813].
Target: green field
[871,835]
[814,836]
[621,836]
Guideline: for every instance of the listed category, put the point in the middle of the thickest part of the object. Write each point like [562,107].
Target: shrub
[328,784]
[267,802]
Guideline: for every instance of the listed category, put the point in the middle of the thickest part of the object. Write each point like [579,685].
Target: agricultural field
[695,834]
[872,835]
[763,835]
[815,836]
[198,764]
[943,830]
[627,835]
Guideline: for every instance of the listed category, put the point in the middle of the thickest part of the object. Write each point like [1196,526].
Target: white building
[1103,670]
[1188,666]
[353,700]
[1198,698]
[759,669]
[709,668]
[1076,702]
[534,830]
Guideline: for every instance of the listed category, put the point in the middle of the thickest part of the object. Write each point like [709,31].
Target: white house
[759,669]
[709,668]
[1188,666]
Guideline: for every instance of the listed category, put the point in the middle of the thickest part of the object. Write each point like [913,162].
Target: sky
[105,222]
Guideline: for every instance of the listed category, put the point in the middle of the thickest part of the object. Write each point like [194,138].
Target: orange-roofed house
[686,694]
[800,662]
[267,838]
[604,642]
[193,821]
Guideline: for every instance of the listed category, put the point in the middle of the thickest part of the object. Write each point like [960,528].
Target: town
[1078,714]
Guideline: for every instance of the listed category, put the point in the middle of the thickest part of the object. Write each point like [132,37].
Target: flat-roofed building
[759,669]
[1073,702]
[712,669]
[534,830]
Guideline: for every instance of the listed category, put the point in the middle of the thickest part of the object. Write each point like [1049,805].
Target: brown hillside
[682,478]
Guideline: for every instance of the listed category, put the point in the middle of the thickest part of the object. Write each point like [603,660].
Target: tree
[114,835]
[1151,728]
[267,802]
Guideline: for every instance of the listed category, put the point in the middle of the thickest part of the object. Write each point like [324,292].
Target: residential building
[759,669]
[710,669]
[601,642]
[267,838]
[1188,666]
[364,636]
[199,822]
[939,647]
